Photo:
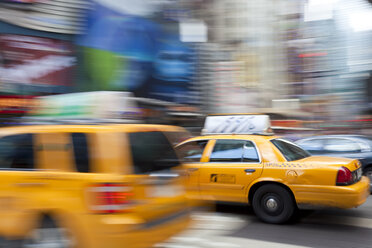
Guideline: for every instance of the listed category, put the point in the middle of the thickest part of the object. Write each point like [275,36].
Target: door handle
[30,184]
[249,170]
[192,169]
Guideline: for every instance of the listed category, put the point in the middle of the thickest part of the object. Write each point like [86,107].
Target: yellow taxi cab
[273,175]
[103,185]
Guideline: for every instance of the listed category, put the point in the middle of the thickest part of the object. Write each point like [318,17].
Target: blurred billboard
[16,104]
[18,1]
[50,16]
[32,62]
[134,48]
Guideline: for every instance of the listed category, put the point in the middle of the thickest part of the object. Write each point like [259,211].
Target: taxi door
[192,155]
[28,180]
[17,165]
[233,165]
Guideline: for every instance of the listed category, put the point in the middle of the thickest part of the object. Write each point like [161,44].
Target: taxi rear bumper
[133,232]
[332,196]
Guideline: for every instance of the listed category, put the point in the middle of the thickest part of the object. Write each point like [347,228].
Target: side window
[177,137]
[81,152]
[341,145]
[151,151]
[313,145]
[192,151]
[227,151]
[250,153]
[16,152]
[364,146]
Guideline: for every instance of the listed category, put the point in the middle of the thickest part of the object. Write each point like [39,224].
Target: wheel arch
[259,184]
[52,215]
[367,167]
[64,219]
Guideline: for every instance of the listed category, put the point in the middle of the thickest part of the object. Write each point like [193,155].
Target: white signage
[99,105]
[193,32]
[236,124]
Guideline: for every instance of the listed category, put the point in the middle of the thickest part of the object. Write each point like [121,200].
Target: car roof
[89,128]
[330,136]
[232,114]
[234,136]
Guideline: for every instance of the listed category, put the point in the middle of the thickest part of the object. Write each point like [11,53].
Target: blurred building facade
[335,58]
[246,38]
[296,57]
[315,53]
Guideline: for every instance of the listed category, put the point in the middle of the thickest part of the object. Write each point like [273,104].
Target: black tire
[10,243]
[368,173]
[273,204]
[48,234]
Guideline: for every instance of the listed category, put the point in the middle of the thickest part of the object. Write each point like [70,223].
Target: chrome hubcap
[271,204]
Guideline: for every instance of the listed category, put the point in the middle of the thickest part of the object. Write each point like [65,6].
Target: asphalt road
[237,227]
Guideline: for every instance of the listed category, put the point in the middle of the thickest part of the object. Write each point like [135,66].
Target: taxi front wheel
[273,204]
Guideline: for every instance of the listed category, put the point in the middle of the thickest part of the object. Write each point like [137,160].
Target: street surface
[237,227]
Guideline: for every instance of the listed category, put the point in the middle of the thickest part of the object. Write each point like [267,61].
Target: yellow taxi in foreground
[90,185]
[275,176]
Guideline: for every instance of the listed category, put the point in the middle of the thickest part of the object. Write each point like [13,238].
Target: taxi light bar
[110,198]
[344,177]
[237,124]
[86,107]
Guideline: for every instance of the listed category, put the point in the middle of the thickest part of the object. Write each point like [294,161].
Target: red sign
[35,60]
[306,55]
[17,104]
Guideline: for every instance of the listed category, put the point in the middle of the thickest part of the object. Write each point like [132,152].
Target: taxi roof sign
[237,124]
[96,105]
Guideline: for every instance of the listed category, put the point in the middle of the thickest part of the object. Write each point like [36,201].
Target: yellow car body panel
[312,180]
[56,189]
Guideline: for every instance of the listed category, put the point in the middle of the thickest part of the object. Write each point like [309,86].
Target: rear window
[16,152]
[290,151]
[151,151]
[239,151]
[227,151]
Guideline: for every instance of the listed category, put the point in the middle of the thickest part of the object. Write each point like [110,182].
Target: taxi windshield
[290,151]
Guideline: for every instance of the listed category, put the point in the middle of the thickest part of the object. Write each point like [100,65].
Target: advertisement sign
[124,49]
[35,61]
[17,104]
[63,17]
[193,32]
[243,124]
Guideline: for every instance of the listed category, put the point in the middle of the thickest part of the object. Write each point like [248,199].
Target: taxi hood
[323,161]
